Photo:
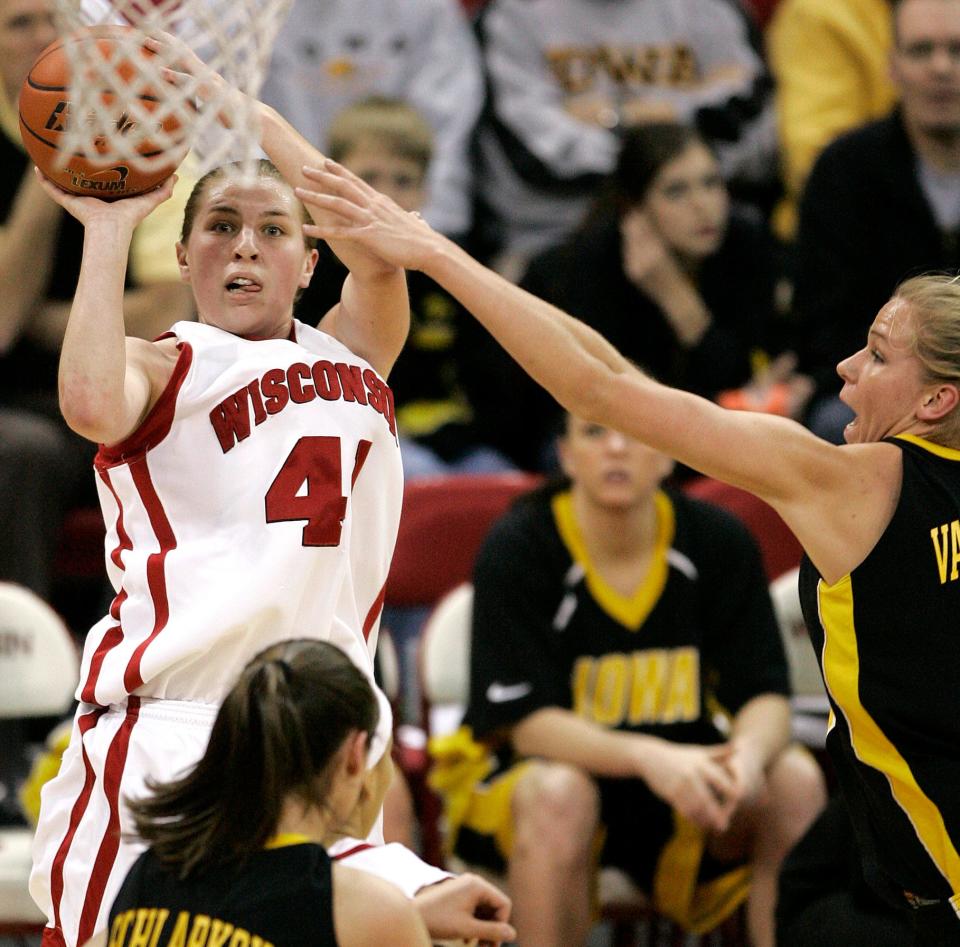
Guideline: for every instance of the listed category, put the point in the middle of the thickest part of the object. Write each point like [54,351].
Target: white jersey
[259,501]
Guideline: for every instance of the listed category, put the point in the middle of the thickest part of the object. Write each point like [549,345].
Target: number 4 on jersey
[316,462]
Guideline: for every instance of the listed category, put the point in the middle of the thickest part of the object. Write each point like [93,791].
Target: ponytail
[277,732]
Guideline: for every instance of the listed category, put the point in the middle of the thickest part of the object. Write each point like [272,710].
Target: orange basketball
[45,110]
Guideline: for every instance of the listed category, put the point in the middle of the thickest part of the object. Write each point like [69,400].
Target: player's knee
[558,805]
[798,791]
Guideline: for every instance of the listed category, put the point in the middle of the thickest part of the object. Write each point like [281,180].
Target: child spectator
[439,380]
[329,55]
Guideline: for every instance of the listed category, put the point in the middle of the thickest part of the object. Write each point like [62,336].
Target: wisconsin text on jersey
[145,926]
[299,384]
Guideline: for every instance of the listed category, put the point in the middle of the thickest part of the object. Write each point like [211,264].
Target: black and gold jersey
[888,636]
[697,634]
[280,897]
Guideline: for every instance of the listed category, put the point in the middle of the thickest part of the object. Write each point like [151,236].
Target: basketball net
[119,101]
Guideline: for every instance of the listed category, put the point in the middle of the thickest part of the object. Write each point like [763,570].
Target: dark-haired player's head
[294,731]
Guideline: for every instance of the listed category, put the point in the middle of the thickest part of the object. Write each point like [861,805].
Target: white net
[123,106]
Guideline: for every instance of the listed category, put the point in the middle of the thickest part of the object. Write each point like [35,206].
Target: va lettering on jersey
[577,68]
[946,547]
[659,685]
[145,927]
[299,384]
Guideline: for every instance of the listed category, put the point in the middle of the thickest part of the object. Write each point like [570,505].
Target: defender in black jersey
[236,853]
[839,502]
[279,897]
[893,676]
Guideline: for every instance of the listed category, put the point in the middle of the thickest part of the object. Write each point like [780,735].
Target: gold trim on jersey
[630,611]
[841,670]
[283,839]
[695,907]
[948,453]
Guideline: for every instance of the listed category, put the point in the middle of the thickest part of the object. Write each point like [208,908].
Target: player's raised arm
[107,382]
[803,476]
[373,317]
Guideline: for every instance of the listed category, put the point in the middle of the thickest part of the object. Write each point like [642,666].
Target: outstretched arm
[373,316]
[837,500]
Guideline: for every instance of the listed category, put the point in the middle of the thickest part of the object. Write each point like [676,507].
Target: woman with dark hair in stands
[670,273]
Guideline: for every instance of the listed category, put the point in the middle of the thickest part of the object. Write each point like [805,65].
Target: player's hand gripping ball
[45,110]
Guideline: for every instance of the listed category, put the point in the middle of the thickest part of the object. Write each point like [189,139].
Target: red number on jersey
[316,462]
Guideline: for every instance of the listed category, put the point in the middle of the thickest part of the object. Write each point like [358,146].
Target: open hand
[350,211]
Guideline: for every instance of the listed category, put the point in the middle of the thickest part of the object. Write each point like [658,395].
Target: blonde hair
[934,301]
[392,123]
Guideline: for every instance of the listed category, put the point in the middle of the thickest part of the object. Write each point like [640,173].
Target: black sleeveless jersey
[280,897]
[888,637]
[697,635]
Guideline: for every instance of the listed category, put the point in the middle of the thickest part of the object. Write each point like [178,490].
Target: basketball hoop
[110,82]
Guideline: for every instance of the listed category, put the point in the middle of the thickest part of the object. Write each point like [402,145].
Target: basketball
[45,111]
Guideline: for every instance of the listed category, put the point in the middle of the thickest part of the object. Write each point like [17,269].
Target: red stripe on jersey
[117,604]
[114,636]
[156,576]
[352,851]
[156,425]
[108,642]
[374,612]
[52,938]
[85,723]
[363,448]
[107,854]
[123,540]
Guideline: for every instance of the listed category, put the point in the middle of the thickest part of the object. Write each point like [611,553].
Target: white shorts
[82,850]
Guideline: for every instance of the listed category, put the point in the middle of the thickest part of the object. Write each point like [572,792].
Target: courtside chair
[39,669]
[444,667]
[443,524]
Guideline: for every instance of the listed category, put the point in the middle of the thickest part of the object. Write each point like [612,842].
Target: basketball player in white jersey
[250,481]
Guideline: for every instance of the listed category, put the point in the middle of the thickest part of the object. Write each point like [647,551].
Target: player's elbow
[87,411]
[594,394]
